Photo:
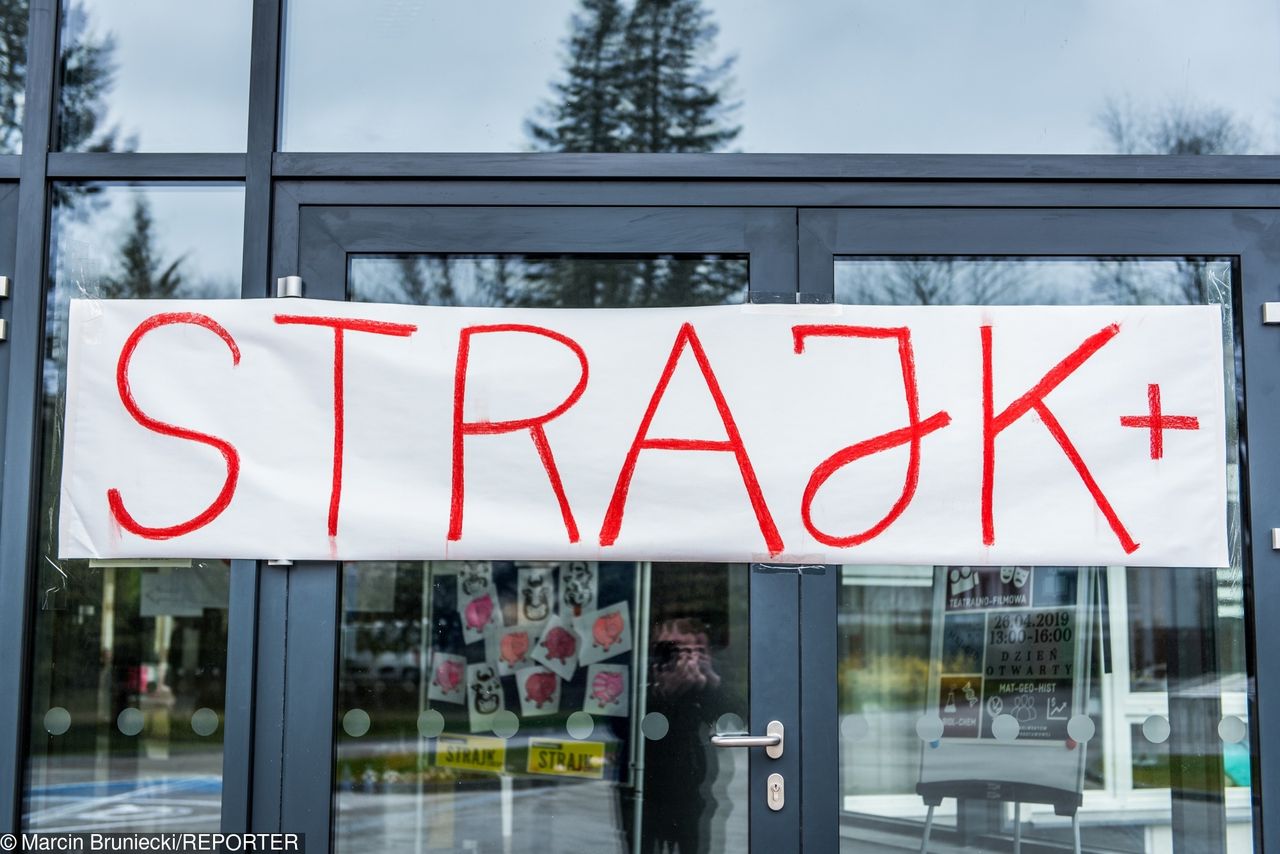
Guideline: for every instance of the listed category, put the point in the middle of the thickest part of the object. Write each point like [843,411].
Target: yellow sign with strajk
[471,753]
[566,758]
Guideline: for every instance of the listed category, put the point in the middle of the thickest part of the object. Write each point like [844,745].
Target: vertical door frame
[18,504]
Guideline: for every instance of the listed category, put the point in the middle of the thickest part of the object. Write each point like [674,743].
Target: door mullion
[306,795]
[306,629]
[819,710]
[775,696]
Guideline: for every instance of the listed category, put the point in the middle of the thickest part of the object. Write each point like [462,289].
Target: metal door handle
[771,741]
[745,740]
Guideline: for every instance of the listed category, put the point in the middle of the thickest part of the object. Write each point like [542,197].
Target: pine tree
[587,112]
[86,74]
[13,70]
[143,275]
[675,100]
[87,71]
[639,80]
[636,80]
[452,280]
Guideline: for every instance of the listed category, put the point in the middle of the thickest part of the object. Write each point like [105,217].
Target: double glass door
[446,706]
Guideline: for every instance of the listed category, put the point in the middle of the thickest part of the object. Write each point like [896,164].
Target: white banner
[300,429]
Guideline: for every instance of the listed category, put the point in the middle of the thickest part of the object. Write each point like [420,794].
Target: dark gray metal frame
[1218,205]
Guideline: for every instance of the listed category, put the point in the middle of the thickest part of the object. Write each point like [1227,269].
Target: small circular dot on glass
[579,725]
[655,726]
[130,721]
[204,721]
[1155,729]
[855,727]
[929,728]
[1005,727]
[355,723]
[505,724]
[57,721]
[430,723]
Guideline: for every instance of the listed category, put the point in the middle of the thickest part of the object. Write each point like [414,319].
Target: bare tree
[1178,127]
[937,281]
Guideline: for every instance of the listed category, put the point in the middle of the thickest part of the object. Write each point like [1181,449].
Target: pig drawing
[448,675]
[607,630]
[513,648]
[560,643]
[606,688]
[540,688]
[478,612]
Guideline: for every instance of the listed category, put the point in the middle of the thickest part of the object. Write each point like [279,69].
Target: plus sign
[1157,422]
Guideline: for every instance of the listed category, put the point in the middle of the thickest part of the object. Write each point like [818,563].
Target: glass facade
[150,696]
[13,74]
[829,76]
[127,84]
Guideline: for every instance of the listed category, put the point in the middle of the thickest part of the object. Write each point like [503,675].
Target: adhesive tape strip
[793,309]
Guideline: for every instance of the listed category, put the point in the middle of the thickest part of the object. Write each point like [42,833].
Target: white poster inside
[301,429]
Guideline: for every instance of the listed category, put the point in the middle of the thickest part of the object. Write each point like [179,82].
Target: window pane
[1155,730]
[549,281]
[460,728]
[128,679]
[148,75]
[13,73]
[975,76]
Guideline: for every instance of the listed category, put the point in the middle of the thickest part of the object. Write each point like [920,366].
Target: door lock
[777,794]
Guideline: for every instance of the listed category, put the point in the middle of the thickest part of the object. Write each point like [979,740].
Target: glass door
[1104,707]
[531,706]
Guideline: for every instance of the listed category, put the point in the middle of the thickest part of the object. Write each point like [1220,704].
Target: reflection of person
[677,804]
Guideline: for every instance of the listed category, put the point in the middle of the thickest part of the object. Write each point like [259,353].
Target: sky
[881,76]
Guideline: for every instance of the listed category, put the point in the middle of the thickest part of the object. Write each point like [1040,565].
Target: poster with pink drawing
[511,647]
[448,678]
[557,649]
[539,692]
[607,690]
[605,633]
[479,613]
